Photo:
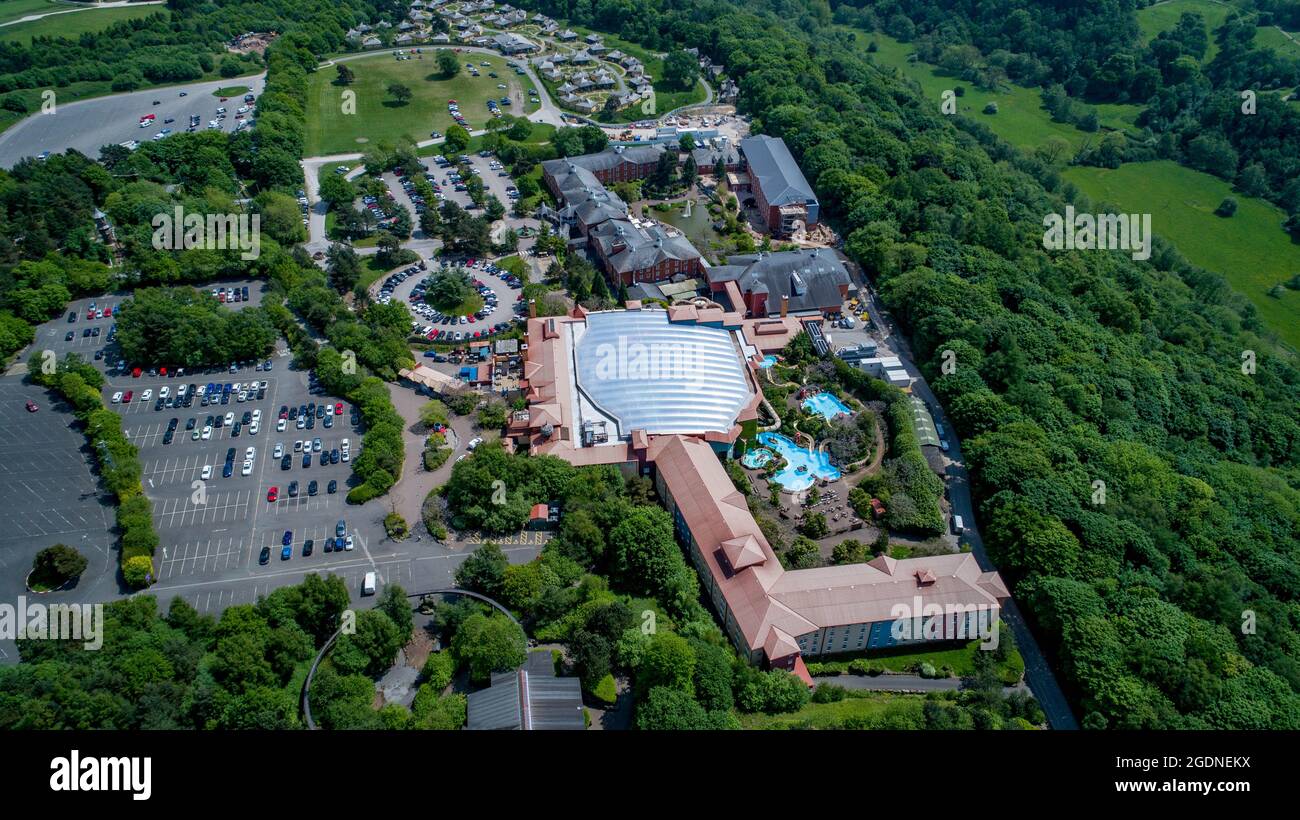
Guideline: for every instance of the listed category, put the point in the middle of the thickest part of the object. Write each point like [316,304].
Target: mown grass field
[13,9]
[73,25]
[379,118]
[1164,16]
[1248,249]
[1021,119]
[1273,37]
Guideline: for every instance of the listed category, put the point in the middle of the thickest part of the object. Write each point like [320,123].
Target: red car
[32,406]
[135,372]
[272,494]
[127,398]
[338,409]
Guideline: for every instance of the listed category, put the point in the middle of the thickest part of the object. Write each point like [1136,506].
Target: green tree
[448,64]
[488,644]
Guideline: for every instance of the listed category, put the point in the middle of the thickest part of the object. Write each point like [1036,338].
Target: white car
[348,545]
[257,415]
[164,392]
[146,395]
[248,468]
[279,449]
[230,419]
[250,453]
[281,425]
[195,435]
[117,397]
[254,428]
[263,385]
[201,391]
[329,409]
[297,446]
[301,423]
[474,442]
[207,472]
[207,432]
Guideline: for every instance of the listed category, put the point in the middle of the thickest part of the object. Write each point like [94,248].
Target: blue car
[228,470]
[339,545]
[288,538]
[286,553]
[306,459]
[340,527]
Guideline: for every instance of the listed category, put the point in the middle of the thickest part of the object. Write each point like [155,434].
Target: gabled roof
[774,169]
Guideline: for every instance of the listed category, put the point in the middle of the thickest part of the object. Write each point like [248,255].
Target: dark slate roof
[645,246]
[498,706]
[775,170]
[707,157]
[811,278]
[612,157]
[551,702]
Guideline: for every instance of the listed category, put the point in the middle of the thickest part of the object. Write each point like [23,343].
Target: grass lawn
[71,26]
[379,118]
[13,9]
[230,91]
[1272,37]
[1021,119]
[1249,249]
[1164,16]
[830,715]
[960,659]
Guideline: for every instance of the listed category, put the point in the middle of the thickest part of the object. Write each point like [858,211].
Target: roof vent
[548,429]
[924,578]
[796,284]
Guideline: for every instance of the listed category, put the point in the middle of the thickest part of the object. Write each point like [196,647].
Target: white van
[368,584]
[958,526]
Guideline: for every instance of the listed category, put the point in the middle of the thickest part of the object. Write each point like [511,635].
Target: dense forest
[1169,600]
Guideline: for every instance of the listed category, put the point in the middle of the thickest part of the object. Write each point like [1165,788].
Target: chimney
[785,305]
[532,308]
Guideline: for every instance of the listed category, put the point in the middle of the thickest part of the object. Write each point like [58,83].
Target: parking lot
[501,298]
[88,125]
[211,531]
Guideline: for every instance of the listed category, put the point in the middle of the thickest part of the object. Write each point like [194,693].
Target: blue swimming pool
[757,459]
[802,467]
[768,361]
[827,404]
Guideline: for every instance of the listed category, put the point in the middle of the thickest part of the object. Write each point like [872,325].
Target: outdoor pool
[768,361]
[802,467]
[757,459]
[827,404]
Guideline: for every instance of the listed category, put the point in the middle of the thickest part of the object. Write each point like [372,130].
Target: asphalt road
[88,125]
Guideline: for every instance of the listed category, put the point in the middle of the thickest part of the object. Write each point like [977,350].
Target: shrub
[829,693]
[396,527]
[1227,207]
[56,565]
[606,691]
[138,571]
[438,670]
